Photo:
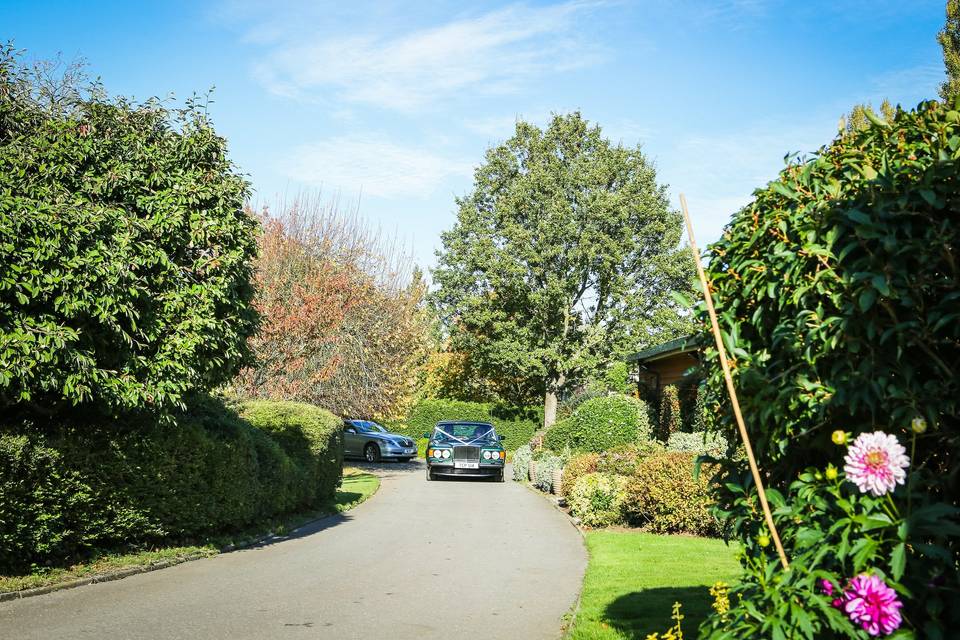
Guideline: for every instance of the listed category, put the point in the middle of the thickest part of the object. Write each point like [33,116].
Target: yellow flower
[763,541]
[831,472]
[839,437]
[721,597]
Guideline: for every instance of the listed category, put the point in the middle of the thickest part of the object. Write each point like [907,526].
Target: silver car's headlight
[446,453]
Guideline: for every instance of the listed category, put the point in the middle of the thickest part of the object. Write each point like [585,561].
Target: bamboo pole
[715,326]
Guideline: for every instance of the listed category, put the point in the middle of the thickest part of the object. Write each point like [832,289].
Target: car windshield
[365,426]
[465,433]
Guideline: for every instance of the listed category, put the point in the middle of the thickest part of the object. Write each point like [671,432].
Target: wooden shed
[668,363]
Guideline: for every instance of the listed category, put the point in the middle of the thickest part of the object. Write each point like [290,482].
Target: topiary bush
[516,424]
[598,499]
[125,251]
[669,420]
[521,463]
[664,496]
[600,424]
[837,290]
[71,489]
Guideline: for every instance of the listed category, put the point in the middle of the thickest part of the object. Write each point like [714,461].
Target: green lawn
[634,578]
[355,488]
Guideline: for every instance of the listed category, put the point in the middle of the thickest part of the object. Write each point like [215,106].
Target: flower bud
[763,541]
[839,437]
[831,472]
[918,424]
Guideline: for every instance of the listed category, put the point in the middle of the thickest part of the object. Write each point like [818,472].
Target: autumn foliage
[343,325]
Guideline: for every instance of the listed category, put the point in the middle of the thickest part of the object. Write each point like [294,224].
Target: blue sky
[390,105]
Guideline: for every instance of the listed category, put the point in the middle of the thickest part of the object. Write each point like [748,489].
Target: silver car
[370,441]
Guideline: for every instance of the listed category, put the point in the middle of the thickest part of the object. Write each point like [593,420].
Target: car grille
[466,453]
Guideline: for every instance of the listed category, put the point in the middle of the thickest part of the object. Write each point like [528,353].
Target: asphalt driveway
[446,559]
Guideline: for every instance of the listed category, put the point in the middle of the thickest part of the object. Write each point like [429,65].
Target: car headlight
[446,453]
[487,455]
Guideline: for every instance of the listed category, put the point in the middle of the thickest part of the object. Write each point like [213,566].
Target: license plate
[466,465]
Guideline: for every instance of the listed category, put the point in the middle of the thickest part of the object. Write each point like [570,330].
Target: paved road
[450,559]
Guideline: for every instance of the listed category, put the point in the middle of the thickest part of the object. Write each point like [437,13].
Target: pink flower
[869,602]
[875,462]
[827,587]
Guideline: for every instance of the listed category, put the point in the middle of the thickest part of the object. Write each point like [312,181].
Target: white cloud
[494,52]
[373,166]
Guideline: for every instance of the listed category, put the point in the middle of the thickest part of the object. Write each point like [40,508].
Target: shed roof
[667,349]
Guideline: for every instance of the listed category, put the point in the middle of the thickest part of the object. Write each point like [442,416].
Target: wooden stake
[715,326]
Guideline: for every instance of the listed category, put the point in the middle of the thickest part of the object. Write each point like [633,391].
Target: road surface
[454,559]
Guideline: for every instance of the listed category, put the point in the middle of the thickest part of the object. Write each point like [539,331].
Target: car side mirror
[502,438]
[427,436]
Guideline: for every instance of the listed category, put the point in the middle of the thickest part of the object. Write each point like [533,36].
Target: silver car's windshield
[465,433]
[365,426]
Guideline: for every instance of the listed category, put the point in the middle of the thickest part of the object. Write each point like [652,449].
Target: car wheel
[500,477]
[371,453]
[430,475]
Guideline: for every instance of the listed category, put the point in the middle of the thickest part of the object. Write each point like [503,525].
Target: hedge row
[600,424]
[516,424]
[71,489]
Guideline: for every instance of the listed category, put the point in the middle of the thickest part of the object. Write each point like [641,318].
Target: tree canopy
[562,258]
[125,252]
[949,39]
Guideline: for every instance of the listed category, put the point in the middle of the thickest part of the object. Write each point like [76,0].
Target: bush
[598,499]
[624,460]
[516,424]
[71,489]
[546,465]
[312,437]
[521,463]
[701,443]
[669,421]
[837,287]
[600,424]
[125,252]
[664,497]
[576,467]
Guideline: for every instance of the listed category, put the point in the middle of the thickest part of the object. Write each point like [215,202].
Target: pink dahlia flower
[876,463]
[869,602]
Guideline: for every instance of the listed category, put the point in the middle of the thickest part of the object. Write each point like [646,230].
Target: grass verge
[634,578]
[355,488]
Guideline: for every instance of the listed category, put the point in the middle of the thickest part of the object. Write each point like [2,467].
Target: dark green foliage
[664,496]
[125,251]
[517,424]
[68,490]
[310,436]
[838,296]
[600,424]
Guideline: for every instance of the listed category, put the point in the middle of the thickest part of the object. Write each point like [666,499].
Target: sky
[388,107]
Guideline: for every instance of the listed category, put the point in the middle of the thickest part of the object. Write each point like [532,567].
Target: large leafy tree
[949,38]
[125,252]
[563,257]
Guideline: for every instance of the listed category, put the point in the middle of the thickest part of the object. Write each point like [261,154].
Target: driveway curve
[445,559]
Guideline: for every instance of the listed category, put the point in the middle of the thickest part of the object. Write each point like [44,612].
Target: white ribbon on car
[465,442]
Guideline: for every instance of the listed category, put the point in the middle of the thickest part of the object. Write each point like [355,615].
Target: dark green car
[465,449]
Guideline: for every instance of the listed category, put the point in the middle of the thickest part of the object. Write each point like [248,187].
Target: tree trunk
[550,401]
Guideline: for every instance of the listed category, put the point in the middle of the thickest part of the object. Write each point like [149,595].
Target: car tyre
[430,475]
[500,478]
[371,453]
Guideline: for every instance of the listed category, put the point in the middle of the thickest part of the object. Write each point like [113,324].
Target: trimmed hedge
[71,489]
[664,497]
[516,424]
[600,424]
[578,466]
[701,443]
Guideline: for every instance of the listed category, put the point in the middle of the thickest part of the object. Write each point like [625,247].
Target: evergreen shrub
[837,291]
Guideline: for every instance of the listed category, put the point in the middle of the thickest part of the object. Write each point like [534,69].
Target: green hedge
[516,424]
[71,489]
[665,495]
[600,424]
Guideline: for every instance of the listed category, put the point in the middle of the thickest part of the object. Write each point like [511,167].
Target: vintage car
[368,440]
[465,449]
